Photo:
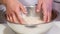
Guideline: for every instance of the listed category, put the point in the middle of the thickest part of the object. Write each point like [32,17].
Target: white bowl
[57,23]
[31,28]
[4,29]
[22,29]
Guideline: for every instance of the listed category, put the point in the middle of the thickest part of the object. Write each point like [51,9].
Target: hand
[46,5]
[14,9]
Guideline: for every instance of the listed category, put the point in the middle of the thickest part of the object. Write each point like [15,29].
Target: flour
[32,20]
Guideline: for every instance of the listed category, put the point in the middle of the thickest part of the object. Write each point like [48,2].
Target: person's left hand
[46,5]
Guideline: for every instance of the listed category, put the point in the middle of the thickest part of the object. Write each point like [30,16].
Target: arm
[3,2]
[0,1]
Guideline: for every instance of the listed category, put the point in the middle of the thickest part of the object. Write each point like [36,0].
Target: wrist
[5,1]
[2,2]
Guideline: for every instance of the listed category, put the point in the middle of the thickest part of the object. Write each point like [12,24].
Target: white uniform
[28,2]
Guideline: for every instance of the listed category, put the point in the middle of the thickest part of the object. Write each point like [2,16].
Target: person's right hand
[46,6]
[14,9]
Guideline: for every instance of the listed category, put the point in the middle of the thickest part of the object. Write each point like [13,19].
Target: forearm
[6,1]
[2,1]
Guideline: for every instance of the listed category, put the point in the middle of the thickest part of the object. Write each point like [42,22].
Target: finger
[49,16]
[7,18]
[23,9]
[11,17]
[15,19]
[45,17]
[48,7]
[8,14]
[19,18]
[45,14]
[18,15]
[38,8]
